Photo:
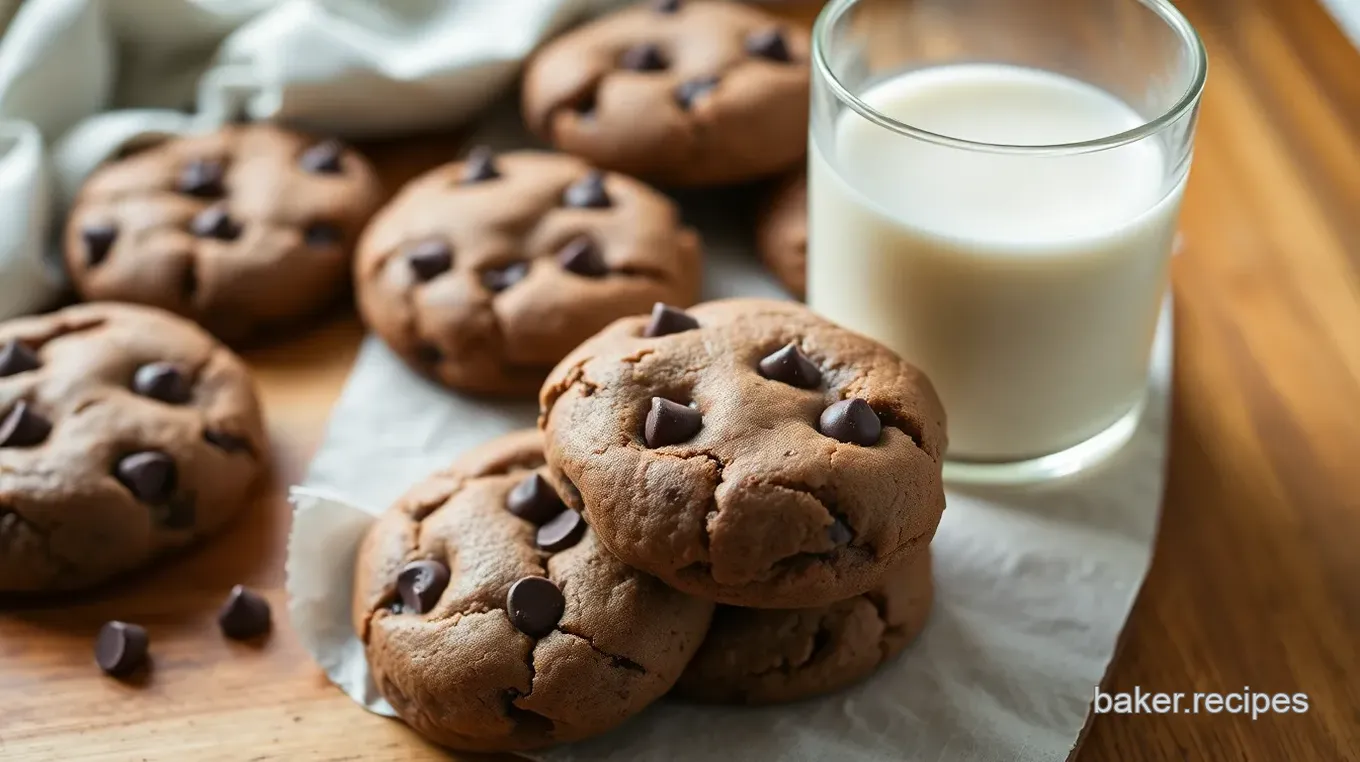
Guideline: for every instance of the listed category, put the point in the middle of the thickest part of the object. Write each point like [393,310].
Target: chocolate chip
[245,615]
[499,280]
[202,178]
[585,105]
[225,441]
[98,238]
[851,421]
[588,192]
[17,358]
[583,257]
[429,258]
[150,476]
[428,354]
[215,222]
[564,531]
[644,57]
[480,166]
[670,423]
[769,43]
[792,367]
[22,427]
[323,158]
[420,583]
[666,6]
[535,605]
[534,500]
[667,320]
[162,381]
[838,532]
[120,648]
[320,234]
[687,93]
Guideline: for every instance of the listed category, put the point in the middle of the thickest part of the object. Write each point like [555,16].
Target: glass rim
[1168,13]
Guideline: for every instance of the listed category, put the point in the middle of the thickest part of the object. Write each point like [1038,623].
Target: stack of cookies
[733,502]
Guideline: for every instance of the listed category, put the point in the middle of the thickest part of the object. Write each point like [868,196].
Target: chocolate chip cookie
[484,273]
[782,233]
[240,230]
[125,433]
[748,451]
[765,656]
[688,92]
[493,620]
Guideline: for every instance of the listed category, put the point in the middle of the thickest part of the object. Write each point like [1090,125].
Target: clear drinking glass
[993,193]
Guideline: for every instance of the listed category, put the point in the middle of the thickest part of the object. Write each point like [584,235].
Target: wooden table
[1256,580]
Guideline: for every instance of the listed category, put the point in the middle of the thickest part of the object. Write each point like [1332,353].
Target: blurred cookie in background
[483,273]
[782,233]
[681,92]
[242,230]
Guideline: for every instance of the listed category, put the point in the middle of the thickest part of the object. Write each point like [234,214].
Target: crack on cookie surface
[616,660]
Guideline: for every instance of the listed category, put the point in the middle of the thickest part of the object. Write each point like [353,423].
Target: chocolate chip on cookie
[782,233]
[693,94]
[485,284]
[488,629]
[666,320]
[107,413]
[240,230]
[767,656]
[763,457]
[480,166]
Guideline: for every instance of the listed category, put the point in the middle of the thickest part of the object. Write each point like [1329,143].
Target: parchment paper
[1033,585]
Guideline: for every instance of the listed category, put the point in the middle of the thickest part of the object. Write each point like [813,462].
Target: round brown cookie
[767,656]
[241,229]
[125,433]
[486,272]
[493,621]
[686,92]
[748,451]
[782,233]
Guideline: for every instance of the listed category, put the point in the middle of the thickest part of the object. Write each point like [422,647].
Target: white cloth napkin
[81,78]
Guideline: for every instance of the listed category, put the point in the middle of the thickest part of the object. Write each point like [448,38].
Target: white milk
[1027,287]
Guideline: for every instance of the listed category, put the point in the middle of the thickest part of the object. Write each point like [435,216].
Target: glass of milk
[993,193]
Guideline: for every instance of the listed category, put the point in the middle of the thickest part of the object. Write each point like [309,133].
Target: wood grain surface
[1256,579]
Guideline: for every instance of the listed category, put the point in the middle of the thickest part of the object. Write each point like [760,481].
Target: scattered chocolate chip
[420,583]
[562,532]
[162,381]
[22,427]
[505,277]
[479,166]
[535,605]
[644,57]
[588,192]
[428,354]
[202,178]
[120,648]
[320,234]
[245,615]
[323,158]
[149,476]
[838,532]
[534,500]
[429,258]
[670,423]
[583,257]
[98,238]
[667,320]
[17,358]
[666,6]
[687,93]
[225,441]
[215,222]
[769,43]
[792,367]
[851,421]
